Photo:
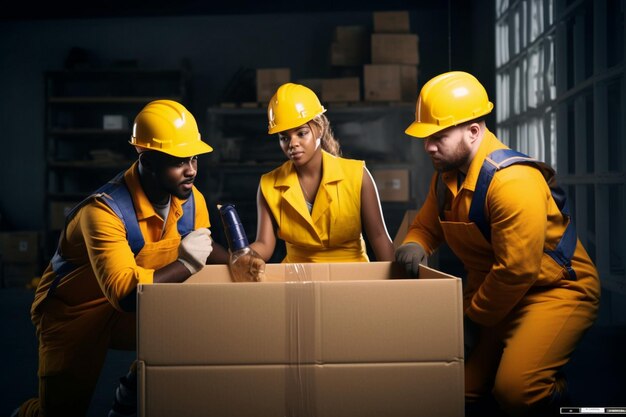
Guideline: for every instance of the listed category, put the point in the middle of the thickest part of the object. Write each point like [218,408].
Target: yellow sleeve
[110,256]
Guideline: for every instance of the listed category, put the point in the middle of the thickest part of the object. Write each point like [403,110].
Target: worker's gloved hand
[247,266]
[195,248]
[411,255]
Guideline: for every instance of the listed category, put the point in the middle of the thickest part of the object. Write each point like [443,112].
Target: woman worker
[317,201]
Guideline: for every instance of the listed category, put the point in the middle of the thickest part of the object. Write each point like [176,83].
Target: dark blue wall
[216,46]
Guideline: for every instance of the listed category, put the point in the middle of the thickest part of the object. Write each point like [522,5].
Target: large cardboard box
[395,48]
[324,340]
[268,80]
[390,82]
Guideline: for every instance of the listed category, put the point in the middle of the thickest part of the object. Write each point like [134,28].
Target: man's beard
[459,158]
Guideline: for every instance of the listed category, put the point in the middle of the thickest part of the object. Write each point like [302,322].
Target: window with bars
[561,97]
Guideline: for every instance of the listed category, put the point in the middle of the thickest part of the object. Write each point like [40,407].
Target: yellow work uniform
[332,231]
[532,314]
[83,318]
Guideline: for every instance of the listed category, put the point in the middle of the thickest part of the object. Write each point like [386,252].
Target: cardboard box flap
[343,271]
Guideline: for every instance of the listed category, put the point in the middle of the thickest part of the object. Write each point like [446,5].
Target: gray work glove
[194,249]
[411,255]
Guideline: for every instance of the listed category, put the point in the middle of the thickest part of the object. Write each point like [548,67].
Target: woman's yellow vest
[332,231]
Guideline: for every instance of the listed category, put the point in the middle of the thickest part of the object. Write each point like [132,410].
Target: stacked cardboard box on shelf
[329,340]
[346,89]
[392,75]
[349,47]
[268,80]
[392,184]
[349,50]
[19,258]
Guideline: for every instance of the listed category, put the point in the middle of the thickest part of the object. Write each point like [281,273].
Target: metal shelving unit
[82,151]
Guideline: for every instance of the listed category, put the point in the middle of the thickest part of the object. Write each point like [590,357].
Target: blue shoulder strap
[116,195]
[187,222]
[503,158]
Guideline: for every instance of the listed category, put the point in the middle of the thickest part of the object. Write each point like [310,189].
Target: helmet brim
[423,130]
[295,123]
[186,150]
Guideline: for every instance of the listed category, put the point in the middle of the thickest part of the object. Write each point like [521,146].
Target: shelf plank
[88,131]
[107,99]
[90,164]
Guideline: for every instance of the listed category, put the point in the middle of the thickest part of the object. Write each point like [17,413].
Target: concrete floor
[596,372]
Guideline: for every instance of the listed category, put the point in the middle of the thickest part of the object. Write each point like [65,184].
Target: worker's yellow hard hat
[447,100]
[167,126]
[291,106]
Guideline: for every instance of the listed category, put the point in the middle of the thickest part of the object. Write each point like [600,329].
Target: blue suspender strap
[121,202]
[477,207]
[503,158]
[564,251]
[188,220]
[116,196]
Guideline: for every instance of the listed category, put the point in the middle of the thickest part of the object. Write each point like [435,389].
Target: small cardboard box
[395,48]
[341,89]
[392,22]
[390,82]
[19,247]
[329,340]
[403,229]
[392,184]
[268,80]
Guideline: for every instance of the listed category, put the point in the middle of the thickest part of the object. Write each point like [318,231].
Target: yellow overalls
[332,231]
[83,318]
[532,315]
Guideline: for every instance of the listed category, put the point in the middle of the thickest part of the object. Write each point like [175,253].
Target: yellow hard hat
[291,106]
[167,126]
[447,100]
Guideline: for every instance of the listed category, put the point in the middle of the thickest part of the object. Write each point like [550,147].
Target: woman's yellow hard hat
[292,106]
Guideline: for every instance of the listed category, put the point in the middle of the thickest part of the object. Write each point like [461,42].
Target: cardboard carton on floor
[322,340]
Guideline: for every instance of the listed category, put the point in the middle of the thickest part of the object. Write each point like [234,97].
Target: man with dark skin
[147,225]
